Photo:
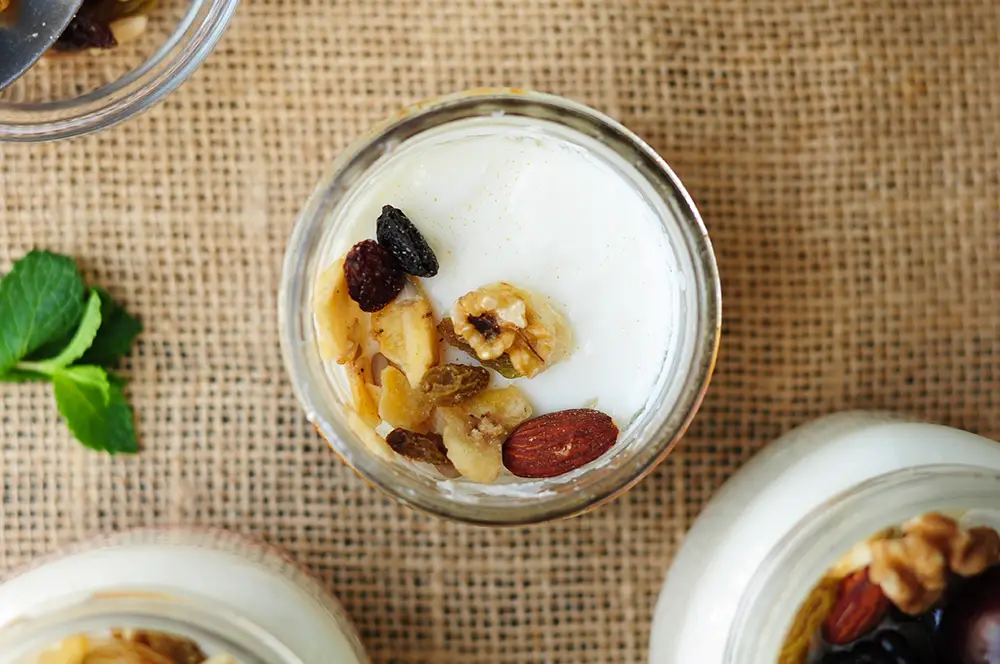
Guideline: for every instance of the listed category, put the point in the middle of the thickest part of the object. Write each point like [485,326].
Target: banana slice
[474,431]
[406,333]
[342,325]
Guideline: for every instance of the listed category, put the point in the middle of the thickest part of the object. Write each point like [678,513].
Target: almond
[859,608]
[557,443]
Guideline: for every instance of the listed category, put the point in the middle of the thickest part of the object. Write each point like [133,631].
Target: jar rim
[800,558]
[667,426]
[191,42]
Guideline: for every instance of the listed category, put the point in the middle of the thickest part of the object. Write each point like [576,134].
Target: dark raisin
[397,233]
[502,365]
[428,448]
[970,627]
[85,32]
[373,276]
[449,384]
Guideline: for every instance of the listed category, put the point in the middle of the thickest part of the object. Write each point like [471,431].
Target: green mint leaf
[78,344]
[18,376]
[95,409]
[41,299]
[114,338]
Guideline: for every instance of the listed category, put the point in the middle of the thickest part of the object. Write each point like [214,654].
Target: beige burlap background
[845,157]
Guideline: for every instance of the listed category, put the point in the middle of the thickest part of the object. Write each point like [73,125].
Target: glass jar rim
[799,559]
[408,123]
[198,618]
[191,42]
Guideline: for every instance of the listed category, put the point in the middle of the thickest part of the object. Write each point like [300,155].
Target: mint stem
[44,368]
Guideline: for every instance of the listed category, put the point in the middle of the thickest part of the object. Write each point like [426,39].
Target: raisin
[502,365]
[428,448]
[449,384]
[373,276]
[397,233]
[85,32]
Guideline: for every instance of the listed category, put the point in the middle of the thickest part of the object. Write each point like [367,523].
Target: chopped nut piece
[500,318]
[341,325]
[402,406]
[450,384]
[406,333]
[974,551]
[474,430]
[501,364]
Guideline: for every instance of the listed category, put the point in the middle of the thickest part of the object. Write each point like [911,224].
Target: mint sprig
[53,329]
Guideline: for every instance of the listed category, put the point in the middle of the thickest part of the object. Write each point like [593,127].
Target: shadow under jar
[75,89]
[556,199]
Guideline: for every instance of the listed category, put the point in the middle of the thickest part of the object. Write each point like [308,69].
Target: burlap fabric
[845,156]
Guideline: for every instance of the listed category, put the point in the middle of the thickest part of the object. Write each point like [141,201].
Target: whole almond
[859,608]
[557,443]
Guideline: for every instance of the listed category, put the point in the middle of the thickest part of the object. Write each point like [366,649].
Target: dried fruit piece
[501,365]
[406,334]
[473,431]
[450,384]
[374,278]
[84,32]
[859,608]
[500,318]
[341,325]
[428,448]
[397,233]
[402,406]
[556,443]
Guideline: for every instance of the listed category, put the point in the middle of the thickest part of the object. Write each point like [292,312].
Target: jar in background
[67,95]
[680,374]
[777,526]
[227,594]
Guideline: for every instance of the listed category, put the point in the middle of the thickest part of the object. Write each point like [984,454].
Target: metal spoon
[28,28]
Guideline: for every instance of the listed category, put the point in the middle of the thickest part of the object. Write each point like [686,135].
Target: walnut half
[913,570]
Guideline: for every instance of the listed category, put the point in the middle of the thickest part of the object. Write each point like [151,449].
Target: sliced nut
[558,443]
[500,364]
[72,650]
[473,431]
[128,29]
[367,435]
[449,384]
[341,325]
[500,319]
[364,394]
[406,333]
[122,652]
[860,606]
[402,406]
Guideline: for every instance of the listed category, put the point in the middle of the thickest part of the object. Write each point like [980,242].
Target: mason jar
[682,372]
[780,523]
[228,594]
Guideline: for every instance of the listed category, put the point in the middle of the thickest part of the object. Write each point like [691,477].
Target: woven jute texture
[846,158]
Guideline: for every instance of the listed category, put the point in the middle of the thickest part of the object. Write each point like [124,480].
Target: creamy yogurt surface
[550,210]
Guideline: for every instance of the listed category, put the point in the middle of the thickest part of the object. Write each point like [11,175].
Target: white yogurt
[550,210]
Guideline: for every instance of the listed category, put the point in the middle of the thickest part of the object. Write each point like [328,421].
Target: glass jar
[226,593]
[785,518]
[66,95]
[683,377]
